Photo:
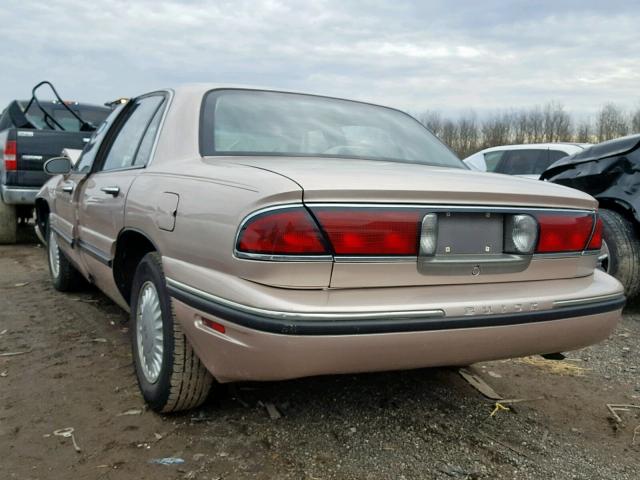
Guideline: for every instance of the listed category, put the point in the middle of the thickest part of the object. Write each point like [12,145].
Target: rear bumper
[265,344]
[359,323]
[14,195]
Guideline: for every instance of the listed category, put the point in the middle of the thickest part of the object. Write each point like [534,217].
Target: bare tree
[635,121]
[556,124]
[548,123]
[584,132]
[449,134]
[611,122]
[468,135]
[521,130]
[433,121]
[536,125]
[496,130]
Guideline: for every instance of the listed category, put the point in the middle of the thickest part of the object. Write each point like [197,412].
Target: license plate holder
[461,233]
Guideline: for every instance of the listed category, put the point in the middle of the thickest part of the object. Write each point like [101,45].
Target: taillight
[281,232]
[596,239]
[564,232]
[10,155]
[371,231]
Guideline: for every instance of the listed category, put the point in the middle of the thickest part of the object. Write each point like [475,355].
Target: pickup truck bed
[27,141]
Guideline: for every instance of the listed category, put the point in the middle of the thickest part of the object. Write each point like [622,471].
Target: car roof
[199,89]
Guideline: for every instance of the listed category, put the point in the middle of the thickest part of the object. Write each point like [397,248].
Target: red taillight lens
[281,232]
[564,232]
[596,239]
[362,231]
[10,155]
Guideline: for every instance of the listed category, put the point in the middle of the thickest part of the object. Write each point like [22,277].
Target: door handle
[111,190]
[67,188]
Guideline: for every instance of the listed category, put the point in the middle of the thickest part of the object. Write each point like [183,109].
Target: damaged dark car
[610,172]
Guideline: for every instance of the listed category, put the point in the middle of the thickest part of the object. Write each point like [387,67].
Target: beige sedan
[265,235]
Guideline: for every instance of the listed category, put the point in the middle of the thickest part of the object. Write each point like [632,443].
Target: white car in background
[526,160]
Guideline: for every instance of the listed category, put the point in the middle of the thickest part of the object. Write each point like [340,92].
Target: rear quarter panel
[213,200]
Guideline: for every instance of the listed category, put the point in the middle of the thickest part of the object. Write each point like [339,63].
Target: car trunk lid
[471,207]
[348,180]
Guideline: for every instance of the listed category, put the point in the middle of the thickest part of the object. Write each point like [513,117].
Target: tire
[173,378]
[8,224]
[621,240]
[64,276]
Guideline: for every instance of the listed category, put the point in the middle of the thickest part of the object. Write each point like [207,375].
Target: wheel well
[42,215]
[131,246]
[618,207]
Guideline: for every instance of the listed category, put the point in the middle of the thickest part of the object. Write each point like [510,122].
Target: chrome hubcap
[603,257]
[54,255]
[149,332]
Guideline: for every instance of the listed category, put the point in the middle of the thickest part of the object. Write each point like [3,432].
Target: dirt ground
[75,370]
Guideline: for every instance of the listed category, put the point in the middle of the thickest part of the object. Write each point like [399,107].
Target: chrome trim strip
[594,224]
[436,313]
[458,208]
[586,301]
[381,259]
[62,235]
[542,256]
[282,258]
[95,253]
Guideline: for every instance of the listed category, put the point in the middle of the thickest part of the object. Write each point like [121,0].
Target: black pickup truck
[31,132]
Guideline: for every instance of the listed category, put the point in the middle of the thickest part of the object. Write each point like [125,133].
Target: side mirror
[57,166]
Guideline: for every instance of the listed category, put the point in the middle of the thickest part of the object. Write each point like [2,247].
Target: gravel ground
[76,372]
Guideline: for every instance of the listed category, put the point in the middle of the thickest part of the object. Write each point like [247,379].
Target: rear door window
[124,146]
[491,160]
[146,145]
[556,155]
[524,162]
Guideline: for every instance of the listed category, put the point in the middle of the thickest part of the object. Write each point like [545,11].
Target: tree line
[468,134]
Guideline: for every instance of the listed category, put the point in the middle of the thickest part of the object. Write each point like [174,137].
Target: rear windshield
[93,115]
[248,122]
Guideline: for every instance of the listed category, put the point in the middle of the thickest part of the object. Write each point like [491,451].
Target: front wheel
[170,375]
[64,276]
[620,254]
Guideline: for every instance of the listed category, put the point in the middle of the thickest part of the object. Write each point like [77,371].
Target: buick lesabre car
[265,235]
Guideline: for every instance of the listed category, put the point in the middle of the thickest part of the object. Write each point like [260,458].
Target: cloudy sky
[415,55]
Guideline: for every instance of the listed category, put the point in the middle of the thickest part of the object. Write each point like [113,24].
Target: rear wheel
[170,375]
[64,276]
[620,254]
[8,223]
